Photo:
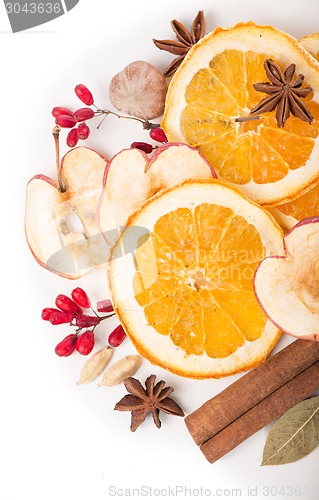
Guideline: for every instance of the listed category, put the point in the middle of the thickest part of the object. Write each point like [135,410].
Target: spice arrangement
[256,399]
[189,229]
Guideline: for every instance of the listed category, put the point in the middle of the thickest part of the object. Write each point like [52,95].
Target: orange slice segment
[268,165]
[207,92]
[185,295]
[238,155]
[229,68]
[213,91]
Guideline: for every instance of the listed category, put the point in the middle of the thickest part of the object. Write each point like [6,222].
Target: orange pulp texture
[201,293]
[260,151]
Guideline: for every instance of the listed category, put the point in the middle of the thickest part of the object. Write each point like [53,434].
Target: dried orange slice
[214,86]
[311,44]
[181,279]
[307,205]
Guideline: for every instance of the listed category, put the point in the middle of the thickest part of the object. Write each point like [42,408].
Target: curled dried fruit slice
[287,285]
[184,294]
[139,90]
[170,165]
[210,98]
[311,43]
[67,249]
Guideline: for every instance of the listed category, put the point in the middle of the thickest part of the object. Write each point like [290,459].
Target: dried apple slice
[132,178]
[174,163]
[68,247]
[287,286]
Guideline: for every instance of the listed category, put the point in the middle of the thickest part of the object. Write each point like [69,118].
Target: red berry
[83,131]
[58,318]
[85,321]
[66,346]
[117,336]
[58,110]
[85,343]
[47,313]
[83,114]
[65,121]
[72,138]
[143,146]
[158,134]
[84,94]
[104,306]
[67,305]
[80,297]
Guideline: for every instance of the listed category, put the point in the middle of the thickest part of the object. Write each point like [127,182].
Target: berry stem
[56,134]
[101,318]
[146,124]
[106,317]
[101,120]
[94,312]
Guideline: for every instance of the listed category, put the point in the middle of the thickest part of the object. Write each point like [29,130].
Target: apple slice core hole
[74,223]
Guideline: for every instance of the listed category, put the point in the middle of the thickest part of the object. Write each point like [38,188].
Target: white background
[58,440]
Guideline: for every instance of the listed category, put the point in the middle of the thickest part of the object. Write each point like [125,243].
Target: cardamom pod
[95,365]
[125,367]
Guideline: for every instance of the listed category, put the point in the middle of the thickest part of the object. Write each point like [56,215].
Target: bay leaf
[294,435]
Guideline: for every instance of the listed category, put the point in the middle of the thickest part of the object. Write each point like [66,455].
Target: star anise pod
[284,93]
[152,399]
[185,40]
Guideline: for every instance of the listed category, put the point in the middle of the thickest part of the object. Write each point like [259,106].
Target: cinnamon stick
[251,389]
[272,407]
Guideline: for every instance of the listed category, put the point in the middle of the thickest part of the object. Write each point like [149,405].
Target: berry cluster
[76,121]
[71,311]
[65,118]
